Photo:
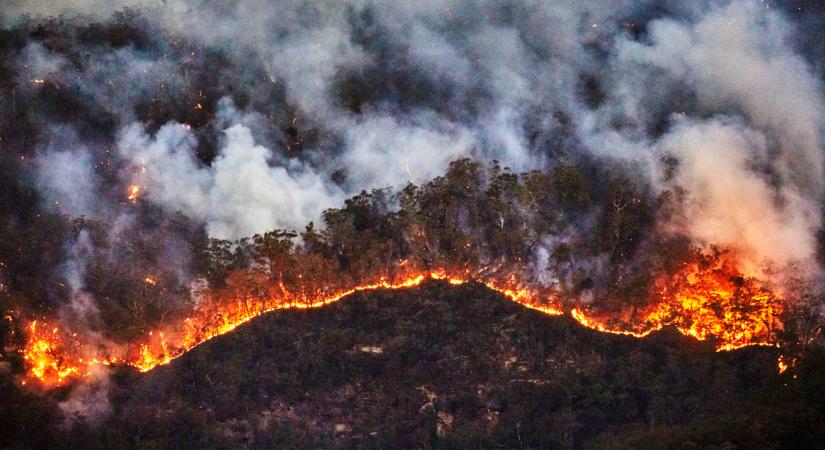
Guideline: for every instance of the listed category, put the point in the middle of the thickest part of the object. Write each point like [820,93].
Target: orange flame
[782,365]
[53,356]
[41,352]
[710,306]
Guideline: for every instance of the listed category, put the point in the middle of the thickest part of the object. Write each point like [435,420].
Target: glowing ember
[781,365]
[133,193]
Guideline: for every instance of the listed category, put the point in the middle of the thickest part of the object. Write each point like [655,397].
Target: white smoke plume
[721,86]
[720,61]
[81,307]
[740,55]
[711,61]
[732,205]
[754,182]
[240,194]
[67,180]
[383,152]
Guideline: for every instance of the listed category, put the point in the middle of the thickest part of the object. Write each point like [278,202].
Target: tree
[218,260]
[273,252]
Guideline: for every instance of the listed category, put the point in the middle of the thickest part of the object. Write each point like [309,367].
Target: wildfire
[53,358]
[709,303]
[712,305]
[42,353]
[53,361]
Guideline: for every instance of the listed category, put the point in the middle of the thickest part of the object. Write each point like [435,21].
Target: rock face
[438,366]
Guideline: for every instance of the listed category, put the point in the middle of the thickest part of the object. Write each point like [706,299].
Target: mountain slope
[439,366]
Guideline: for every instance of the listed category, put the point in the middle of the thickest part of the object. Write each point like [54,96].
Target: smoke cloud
[239,195]
[436,81]
[66,177]
[732,205]
[391,93]
[240,117]
[751,156]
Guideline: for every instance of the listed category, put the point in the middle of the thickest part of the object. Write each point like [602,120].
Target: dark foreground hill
[452,367]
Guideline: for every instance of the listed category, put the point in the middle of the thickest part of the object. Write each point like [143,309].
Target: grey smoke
[81,307]
[66,174]
[383,152]
[239,195]
[720,80]
[90,399]
[721,86]
[39,64]
[753,170]
[742,55]
[731,205]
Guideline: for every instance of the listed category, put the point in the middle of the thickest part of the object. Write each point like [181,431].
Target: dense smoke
[753,169]
[235,118]
[433,83]
[731,205]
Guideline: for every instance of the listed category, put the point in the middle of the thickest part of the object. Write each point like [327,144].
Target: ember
[133,193]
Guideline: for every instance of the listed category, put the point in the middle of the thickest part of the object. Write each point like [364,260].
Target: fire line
[55,357]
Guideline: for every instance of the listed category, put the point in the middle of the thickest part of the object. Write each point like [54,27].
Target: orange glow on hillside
[711,305]
[54,357]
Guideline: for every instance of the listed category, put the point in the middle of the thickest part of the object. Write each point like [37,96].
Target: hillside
[266,224]
[457,367]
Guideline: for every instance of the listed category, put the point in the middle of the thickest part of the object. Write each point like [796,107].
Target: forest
[549,225]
